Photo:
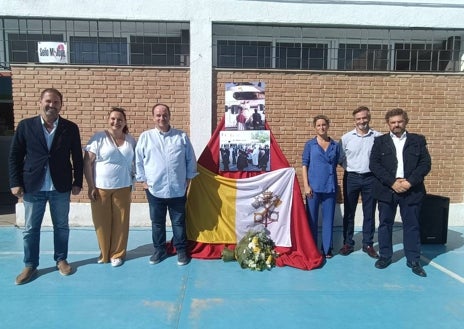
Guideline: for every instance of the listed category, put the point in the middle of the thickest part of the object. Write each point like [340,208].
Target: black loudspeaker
[434,219]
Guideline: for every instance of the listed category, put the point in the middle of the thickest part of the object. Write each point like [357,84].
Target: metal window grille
[99,42]
[342,48]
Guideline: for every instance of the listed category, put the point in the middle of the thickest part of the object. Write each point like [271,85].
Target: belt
[367,174]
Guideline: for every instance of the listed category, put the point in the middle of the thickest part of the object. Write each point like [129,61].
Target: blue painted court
[348,292]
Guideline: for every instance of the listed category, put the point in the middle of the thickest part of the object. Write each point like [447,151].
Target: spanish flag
[218,212]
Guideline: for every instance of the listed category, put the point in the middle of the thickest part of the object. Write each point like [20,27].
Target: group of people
[254,121]
[244,157]
[47,165]
[385,169]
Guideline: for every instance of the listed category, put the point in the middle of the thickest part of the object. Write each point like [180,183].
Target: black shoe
[346,250]
[416,268]
[183,258]
[329,255]
[158,257]
[382,263]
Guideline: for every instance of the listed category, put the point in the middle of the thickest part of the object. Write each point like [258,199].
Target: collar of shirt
[394,137]
[55,123]
[369,133]
[164,133]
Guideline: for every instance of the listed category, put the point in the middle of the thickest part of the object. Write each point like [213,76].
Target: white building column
[201,42]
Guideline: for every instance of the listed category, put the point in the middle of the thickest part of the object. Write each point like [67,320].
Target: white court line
[443,269]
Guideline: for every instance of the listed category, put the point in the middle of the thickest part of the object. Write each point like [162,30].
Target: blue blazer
[321,165]
[29,156]
[383,164]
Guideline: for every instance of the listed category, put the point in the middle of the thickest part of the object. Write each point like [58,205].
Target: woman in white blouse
[109,171]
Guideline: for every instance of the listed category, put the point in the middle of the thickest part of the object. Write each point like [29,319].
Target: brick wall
[434,102]
[89,93]
[435,105]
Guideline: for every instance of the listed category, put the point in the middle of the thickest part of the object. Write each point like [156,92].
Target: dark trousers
[158,210]
[411,229]
[355,184]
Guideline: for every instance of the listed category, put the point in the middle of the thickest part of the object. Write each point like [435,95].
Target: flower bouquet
[254,251]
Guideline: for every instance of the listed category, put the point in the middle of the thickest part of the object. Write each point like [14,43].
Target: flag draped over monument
[230,208]
[224,206]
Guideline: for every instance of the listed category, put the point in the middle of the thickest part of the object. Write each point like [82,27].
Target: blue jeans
[34,207]
[353,185]
[158,210]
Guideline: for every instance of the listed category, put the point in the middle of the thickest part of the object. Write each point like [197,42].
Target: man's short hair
[396,111]
[362,108]
[160,104]
[52,91]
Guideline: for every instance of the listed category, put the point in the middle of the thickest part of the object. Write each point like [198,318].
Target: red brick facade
[435,104]
[89,93]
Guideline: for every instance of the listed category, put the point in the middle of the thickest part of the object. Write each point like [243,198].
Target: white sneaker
[115,262]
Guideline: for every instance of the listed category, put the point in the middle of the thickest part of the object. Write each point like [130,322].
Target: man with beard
[356,148]
[41,171]
[400,161]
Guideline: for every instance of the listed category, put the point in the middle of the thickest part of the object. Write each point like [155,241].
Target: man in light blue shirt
[355,149]
[165,164]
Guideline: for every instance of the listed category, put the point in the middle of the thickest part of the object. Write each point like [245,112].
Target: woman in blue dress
[320,159]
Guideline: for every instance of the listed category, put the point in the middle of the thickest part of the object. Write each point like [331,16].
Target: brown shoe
[64,267]
[370,251]
[346,250]
[26,275]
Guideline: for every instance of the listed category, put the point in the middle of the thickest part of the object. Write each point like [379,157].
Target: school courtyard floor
[347,292]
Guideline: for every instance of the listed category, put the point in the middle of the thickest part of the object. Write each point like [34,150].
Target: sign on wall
[52,52]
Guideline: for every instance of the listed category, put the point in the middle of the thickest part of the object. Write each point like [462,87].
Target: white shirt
[399,145]
[114,166]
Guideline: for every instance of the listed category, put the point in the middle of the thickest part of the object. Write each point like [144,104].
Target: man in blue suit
[400,161]
[46,165]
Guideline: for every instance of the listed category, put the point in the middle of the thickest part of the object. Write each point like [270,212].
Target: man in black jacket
[400,161]
[41,171]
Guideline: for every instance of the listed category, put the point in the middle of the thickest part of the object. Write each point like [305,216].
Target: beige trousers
[110,215]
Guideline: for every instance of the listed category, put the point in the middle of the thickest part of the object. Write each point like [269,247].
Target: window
[22,48]
[160,51]
[244,54]
[337,48]
[97,42]
[362,57]
[301,56]
[420,57]
[98,50]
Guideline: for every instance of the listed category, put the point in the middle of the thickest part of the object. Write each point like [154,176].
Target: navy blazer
[383,164]
[29,156]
